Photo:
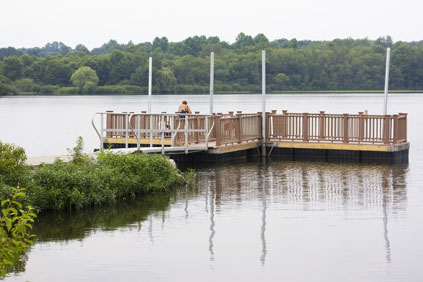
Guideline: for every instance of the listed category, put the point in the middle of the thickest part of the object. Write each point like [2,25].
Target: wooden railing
[340,128]
[226,129]
[235,129]
[183,130]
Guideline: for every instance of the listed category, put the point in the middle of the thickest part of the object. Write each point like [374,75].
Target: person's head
[184,102]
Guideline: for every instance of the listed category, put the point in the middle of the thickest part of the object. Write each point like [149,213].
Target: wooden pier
[198,138]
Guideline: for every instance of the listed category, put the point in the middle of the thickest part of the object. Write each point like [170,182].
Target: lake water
[250,221]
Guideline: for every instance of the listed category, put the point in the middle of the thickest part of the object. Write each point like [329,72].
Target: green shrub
[89,87]
[190,176]
[134,89]
[68,90]
[26,85]
[138,173]
[109,89]
[15,225]
[49,89]
[184,89]
[83,182]
[200,89]
[6,89]
[12,164]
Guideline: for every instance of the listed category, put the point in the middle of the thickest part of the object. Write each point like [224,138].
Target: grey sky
[31,23]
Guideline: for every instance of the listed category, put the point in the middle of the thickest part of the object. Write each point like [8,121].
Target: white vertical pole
[211,81]
[263,101]
[206,133]
[385,103]
[102,131]
[150,82]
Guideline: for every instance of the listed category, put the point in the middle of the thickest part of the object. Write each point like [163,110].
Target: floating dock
[197,138]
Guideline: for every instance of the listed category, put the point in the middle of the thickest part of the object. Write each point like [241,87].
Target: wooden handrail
[342,128]
[246,127]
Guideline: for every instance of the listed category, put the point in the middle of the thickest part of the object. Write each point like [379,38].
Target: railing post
[197,124]
[274,126]
[163,132]
[260,126]
[346,117]
[151,129]
[238,134]
[206,133]
[321,125]
[186,133]
[137,133]
[386,129]
[109,123]
[101,131]
[267,136]
[305,127]
[172,134]
[217,129]
[284,124]
[143,124]
[126,129]
[360,127]
[396,129]
[403,128]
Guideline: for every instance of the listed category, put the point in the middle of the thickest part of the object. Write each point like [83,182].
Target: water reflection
[310,186]
[347,188]
[385,232]
[212,189]
[67,226]
[252,194]
[263,218]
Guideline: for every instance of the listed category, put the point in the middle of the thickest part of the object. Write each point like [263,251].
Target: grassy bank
[84,182]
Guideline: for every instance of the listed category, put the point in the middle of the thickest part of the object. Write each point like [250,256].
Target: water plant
[190,176]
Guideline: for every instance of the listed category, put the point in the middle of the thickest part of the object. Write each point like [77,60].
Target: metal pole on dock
[385,103]
[150,82]
[263,102]
[211,81]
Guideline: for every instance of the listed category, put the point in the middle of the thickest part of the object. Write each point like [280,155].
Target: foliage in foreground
[15,226]
[84,182]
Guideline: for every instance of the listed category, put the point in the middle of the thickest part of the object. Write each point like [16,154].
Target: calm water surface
[252,221]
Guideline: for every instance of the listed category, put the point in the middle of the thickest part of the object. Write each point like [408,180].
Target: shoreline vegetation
[293,66]
[84,182]
[236,93]
[81,183]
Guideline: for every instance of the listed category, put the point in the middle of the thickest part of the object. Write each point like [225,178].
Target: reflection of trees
[80,224]
[76,225]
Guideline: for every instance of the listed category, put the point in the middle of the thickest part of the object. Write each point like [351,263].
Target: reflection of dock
[348,191]
[200,138]
[313,186]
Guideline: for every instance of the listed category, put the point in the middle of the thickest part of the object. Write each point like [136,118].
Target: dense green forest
[183,67]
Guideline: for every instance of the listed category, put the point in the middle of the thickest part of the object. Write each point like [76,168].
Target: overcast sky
[33,23]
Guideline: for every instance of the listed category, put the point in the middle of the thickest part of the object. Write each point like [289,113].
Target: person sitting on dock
[184,108]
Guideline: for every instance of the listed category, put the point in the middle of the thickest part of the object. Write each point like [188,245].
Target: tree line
[183,67]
